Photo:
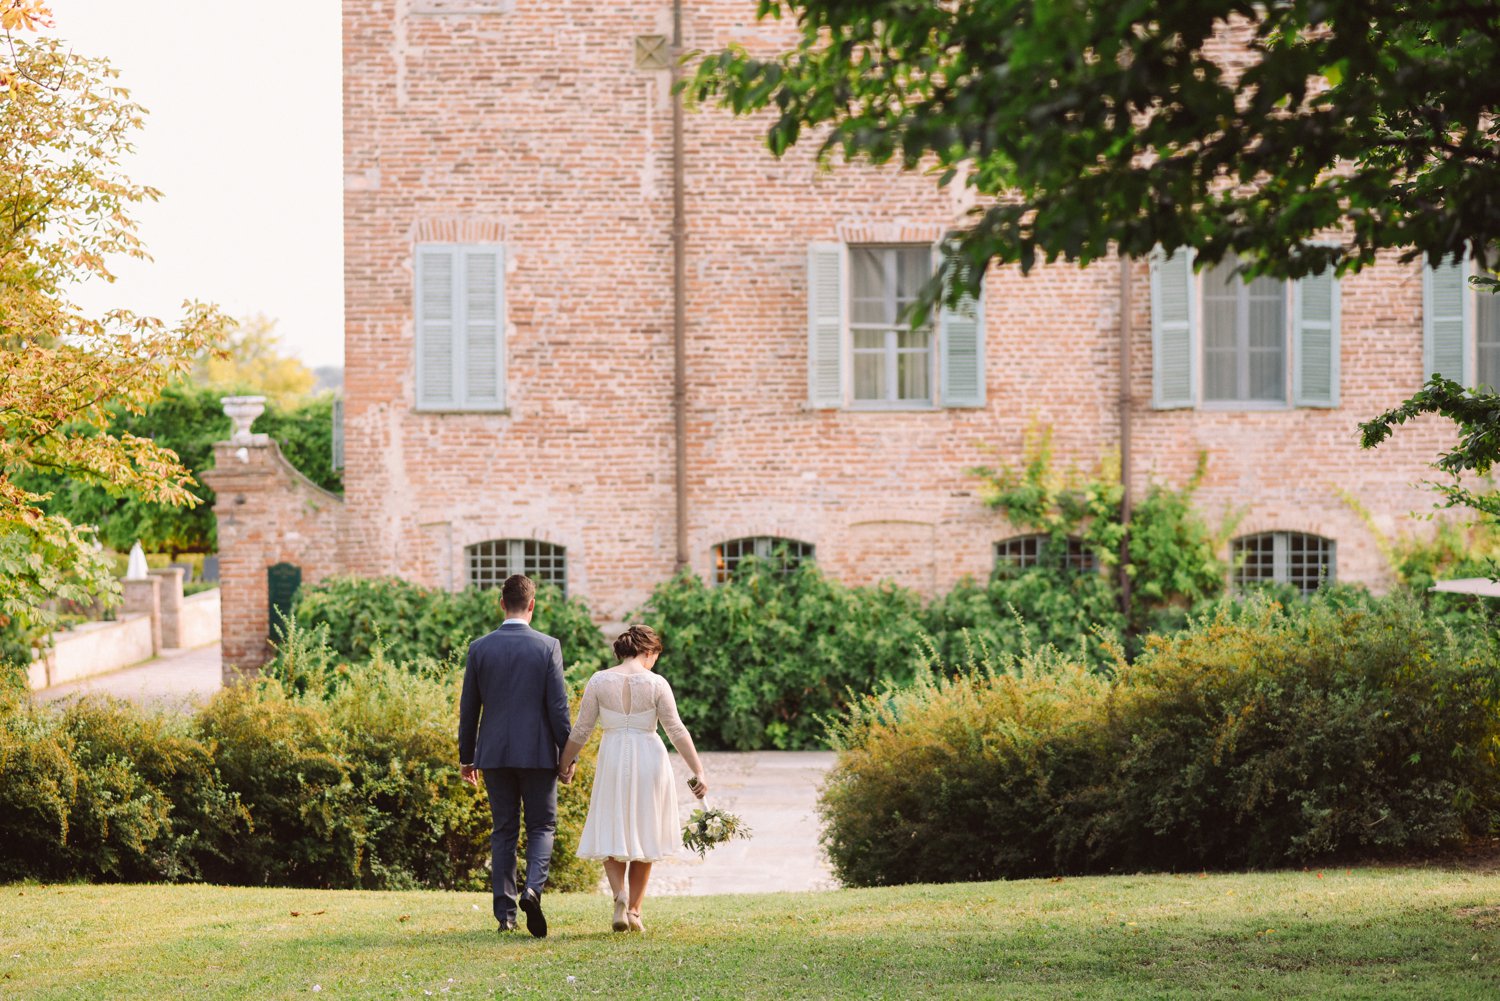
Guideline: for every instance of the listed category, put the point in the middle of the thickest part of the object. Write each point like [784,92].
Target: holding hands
[566,772]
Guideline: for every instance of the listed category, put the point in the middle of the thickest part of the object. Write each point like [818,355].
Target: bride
[632,819]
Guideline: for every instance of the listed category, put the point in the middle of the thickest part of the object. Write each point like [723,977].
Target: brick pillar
[144,596]
[171,605]
[241,478]
[268,513]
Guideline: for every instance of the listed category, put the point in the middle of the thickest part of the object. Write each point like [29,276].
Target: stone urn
[243,410]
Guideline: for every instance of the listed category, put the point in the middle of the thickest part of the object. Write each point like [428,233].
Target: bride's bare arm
[666,711]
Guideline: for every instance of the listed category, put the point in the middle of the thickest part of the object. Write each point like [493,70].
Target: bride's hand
[699,787]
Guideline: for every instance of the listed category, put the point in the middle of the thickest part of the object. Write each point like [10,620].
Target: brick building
[517,310]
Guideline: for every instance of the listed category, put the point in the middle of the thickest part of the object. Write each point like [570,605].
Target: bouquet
[708,828]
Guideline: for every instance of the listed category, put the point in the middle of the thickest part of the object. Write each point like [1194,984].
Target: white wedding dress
[633,806]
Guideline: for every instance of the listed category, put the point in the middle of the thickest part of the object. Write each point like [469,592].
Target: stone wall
[200,621]
[97,648]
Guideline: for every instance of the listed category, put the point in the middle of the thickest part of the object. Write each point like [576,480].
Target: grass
[1365,933]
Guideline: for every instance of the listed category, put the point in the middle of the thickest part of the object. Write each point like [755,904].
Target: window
[892,362]
[1487,339]
[460,326]
[1219,340]
[489,563]
[1041,550]
[862,353]
[1244,336]
[1454,317]
[336,441]
[727,555]
[1304,561]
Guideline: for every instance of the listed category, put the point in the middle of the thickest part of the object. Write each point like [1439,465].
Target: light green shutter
[1316,341]
[825,325]
[1174,334]
[1445,321]
[484,328]
[460,327]
[437,322]
[962,335]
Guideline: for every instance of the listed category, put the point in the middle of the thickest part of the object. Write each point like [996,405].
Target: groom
[512,724]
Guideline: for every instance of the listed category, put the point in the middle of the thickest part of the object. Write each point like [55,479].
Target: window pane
[1487,323]
[1220,315]
[867,274]
[1305,561]
[728,555]
[1267,335]
[913,371]
[869,375]
[913,268]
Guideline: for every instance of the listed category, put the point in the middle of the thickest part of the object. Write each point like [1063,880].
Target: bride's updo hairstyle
[636,641]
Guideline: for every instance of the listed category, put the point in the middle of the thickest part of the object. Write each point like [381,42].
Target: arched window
[727,555]
[489,563]
[1038,550]
[1296,558]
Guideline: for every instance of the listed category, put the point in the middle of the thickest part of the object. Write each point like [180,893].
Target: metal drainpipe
[1125,463]
[679,304]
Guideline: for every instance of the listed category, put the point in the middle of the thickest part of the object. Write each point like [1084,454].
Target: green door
[282,582]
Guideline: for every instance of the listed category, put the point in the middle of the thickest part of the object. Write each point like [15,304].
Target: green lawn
[1371,933]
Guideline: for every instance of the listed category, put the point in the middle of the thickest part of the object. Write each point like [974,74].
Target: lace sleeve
[588,712]
[666,712]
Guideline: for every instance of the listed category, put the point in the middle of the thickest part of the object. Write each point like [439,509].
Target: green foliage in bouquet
[708,828]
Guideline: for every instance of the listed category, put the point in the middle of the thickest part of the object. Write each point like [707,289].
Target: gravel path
[176,678]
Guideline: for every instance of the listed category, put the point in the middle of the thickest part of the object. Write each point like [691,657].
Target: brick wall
[533,128]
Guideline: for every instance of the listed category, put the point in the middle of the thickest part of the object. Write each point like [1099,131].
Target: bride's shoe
[620,924]
[634,917]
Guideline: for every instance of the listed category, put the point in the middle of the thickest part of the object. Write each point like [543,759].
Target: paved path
[176,678]
[774,791]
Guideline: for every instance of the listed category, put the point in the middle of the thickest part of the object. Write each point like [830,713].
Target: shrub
[960,779]
[1024,609]
[756,661]
[1268,735]
[347,781]
[422,826]
[102,790]
[413,623]
[1332,726]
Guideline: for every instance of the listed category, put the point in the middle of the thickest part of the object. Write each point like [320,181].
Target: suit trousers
[511,789]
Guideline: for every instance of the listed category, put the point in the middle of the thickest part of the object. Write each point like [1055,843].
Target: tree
[1091,125]
[251,362]
[187,420]
[1477,415]
[65,209]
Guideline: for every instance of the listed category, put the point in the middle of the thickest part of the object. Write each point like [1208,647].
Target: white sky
[243,140]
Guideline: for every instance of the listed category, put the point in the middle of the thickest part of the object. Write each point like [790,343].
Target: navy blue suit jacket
[514,709]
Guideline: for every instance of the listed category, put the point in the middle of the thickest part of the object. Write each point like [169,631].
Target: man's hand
[469,774]
[565,775]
